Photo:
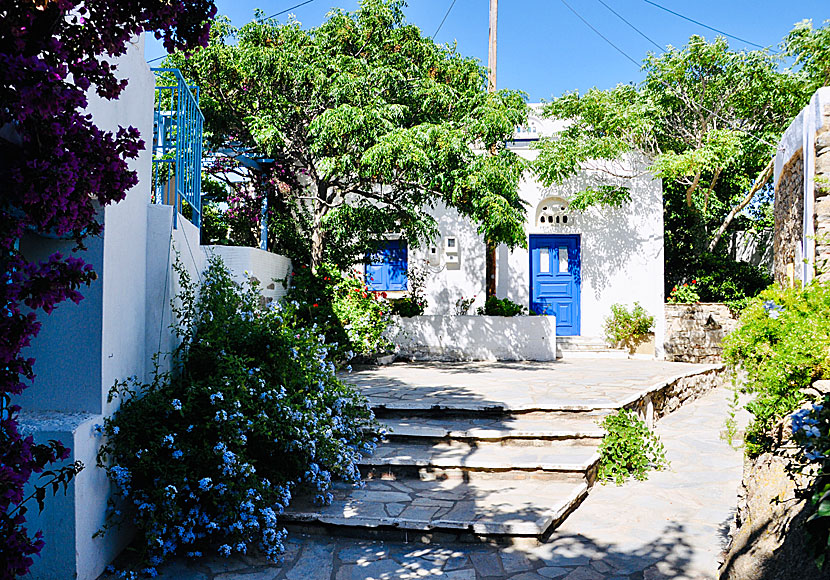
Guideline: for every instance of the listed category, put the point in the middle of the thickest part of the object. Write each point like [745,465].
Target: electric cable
[289,9]
[637,30]
[664,83]
[601,35]
[701,24]
[444,19]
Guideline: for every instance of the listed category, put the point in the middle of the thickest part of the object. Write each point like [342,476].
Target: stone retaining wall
[789,225]
[694,332]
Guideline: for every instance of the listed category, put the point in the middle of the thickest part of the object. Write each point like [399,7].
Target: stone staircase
[470,466]
[586,347]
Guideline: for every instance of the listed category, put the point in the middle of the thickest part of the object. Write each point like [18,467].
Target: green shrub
[206,459]
[500,307]
[628,328]
[629,449]
[783,344]
[685,293]
[415,301]
[352,318]
[720,278]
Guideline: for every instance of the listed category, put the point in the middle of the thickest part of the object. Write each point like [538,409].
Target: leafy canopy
[374,119]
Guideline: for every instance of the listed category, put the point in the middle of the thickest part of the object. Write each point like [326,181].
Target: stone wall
[789,226]
[694,332]
[822,207]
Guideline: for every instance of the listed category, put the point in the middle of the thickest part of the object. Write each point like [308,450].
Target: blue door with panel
[555,280]
[386,268]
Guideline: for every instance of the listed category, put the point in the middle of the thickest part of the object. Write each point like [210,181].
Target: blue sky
[545,50]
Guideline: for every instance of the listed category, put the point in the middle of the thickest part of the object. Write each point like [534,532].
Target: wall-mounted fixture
[451,257]
[433,256]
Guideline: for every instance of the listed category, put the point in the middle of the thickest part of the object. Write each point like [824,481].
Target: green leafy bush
[720,278]
[628,328]
[500,307]
[629,449]
[352,318]
[782,343]
[684,293]
[415,301]
[206,459]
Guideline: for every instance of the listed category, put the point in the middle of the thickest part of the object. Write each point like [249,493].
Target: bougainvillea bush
[57,169]
[353,318]
[782,344]
[206,461]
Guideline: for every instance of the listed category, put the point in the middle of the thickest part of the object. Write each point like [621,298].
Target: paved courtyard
[671,526]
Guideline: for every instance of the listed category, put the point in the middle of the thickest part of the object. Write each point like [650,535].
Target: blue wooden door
[555,280]
[386,268]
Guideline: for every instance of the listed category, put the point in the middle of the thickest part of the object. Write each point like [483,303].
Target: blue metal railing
[177,145]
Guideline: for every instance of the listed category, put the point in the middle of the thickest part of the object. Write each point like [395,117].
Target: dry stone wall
[695,332]
[789,225]
[822,207]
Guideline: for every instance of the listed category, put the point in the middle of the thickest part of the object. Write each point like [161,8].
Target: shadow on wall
[611,237]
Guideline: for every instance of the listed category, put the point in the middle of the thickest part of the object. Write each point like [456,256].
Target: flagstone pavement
[672,526]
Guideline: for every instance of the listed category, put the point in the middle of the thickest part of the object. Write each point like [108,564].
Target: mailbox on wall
[451,257]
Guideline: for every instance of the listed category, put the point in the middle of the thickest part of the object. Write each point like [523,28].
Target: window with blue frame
[386,269]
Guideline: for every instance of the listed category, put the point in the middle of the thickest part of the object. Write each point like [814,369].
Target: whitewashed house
[576,265]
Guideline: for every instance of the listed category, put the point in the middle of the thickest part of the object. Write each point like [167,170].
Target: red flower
[383,294]
[314,305]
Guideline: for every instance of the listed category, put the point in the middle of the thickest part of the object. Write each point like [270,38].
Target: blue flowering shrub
[205,460]
[811,431]
[782,344]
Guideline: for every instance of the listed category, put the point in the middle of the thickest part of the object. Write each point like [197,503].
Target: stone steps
[474,449]
[478,508]
[570,347]
[517,427]
[553,457]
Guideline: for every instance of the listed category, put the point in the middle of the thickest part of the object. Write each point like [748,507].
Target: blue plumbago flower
[221,415]
[225,550]
[176,404]
[812,455]
[205,483]
[217,397]
[811,431]
[177,454]
[167,440]
[801,418]
[773,310]
[116,430]
[98,428]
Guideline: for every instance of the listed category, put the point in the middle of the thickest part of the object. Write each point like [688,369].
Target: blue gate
[555,280]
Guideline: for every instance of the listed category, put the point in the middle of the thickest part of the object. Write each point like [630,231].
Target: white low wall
[434,337]
[269,269]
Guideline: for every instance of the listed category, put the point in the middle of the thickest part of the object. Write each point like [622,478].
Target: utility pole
[490,250]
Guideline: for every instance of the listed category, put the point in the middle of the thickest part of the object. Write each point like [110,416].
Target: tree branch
[760,181]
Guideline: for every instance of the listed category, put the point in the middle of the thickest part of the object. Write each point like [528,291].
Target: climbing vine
[57,169]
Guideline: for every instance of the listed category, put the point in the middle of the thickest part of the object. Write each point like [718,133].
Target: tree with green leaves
[706,120]
[360,124]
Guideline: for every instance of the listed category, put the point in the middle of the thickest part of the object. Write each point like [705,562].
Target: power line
[664,83]
[444,19]
[637,30]
[601,35]
[701,24]
[290,9]
[272,16]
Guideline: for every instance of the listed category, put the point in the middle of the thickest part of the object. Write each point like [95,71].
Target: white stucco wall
[83,349]
[475,337]
[244,263]
[621,252]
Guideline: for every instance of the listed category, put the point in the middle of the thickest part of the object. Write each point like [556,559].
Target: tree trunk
[318,237]
[490,269]
[760,181]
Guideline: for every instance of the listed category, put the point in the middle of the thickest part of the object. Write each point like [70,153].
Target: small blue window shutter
[397,265]
[387,268]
